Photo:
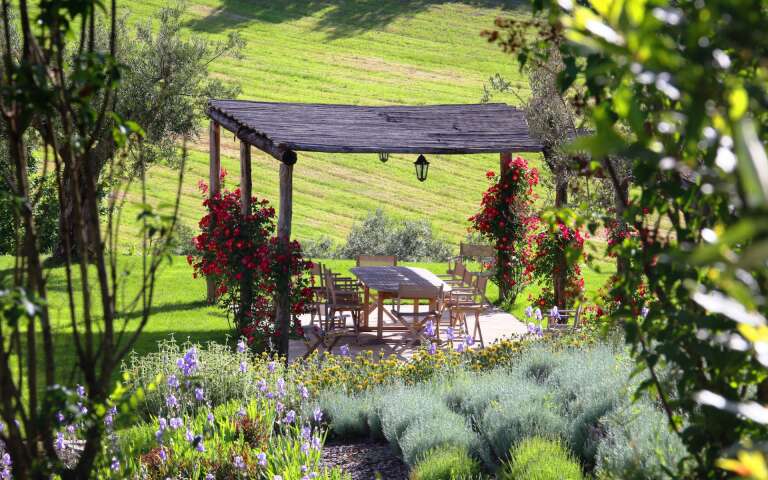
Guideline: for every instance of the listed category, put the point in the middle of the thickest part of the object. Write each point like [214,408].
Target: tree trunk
[503,257]
[622,263]
[559,276]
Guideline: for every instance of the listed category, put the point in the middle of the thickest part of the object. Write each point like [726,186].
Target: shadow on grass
[339,18]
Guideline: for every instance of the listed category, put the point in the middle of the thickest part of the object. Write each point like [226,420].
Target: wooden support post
[506,157]
[283,313]
[503,257]
[246,285]
[214,133]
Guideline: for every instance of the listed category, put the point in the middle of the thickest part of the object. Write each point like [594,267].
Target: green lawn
[357,52]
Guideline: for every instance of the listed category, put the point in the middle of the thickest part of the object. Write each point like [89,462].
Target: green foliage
[638,444]
[379,234]
[446,463]
[538,458]
[677,88]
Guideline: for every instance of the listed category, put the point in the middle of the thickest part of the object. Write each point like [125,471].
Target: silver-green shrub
[435,427]
[402,406]
[638,444]
[586,385]
[528,413]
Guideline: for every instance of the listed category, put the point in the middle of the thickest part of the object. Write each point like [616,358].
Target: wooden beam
[261,142]
[246,285]
[214,185]
[283,313]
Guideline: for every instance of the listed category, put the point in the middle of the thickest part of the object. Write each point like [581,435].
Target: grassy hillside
[357,52]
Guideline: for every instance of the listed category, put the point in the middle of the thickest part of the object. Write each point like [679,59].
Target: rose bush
[236,250]
[557,241]
[506,219]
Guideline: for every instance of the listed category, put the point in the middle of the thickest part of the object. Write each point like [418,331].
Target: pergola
[283,129]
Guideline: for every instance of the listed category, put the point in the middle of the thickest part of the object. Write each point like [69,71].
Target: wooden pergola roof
[281,129]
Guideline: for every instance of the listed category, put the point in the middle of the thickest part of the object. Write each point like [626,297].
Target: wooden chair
[455,272]
[319,300]
[463,302]
[565,317]
[376,260]
[343,296]
[416,320]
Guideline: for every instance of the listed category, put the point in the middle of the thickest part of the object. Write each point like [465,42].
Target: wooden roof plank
[279,128]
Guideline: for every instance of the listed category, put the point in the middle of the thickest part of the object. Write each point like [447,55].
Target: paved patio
[496,324]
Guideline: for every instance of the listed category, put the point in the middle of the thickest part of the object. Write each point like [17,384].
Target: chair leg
[478,331]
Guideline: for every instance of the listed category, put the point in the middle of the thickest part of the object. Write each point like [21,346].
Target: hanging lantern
[422,168]
[383,156]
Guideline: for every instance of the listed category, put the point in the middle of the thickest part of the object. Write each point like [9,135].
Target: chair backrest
[459,269]
[317,272]
[468,278]
[470,250]
[376,260]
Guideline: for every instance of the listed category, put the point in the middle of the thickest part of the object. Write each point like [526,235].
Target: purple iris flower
[432,348]
[199,394]
[429,329]
[188,364]
[318,415]
[171,401]
[305,448]
[262,458]
[163,456]
[281,387]
[80,391]
[344,350]
[241,347]
[460,348]
[469,340]
[60,417]
[537,314]
[239,463]
[290,416]
[243,367]
[262,385]
[304,392]
[306,432]
[271,366]
[449,334]
[316,443]
[176,423]
[529,311]
[115,465]
[210,417]
[644,311]
[173,382]
[200,447]
[59,441]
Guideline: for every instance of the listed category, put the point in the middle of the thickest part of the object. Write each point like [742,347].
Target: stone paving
[496,324]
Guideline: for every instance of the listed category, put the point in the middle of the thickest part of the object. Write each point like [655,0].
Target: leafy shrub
[322,247]
[638,445]
[183,241]
[537,458]
[222,374]
[508,422]
[446,463]
[434,428]
[410,240]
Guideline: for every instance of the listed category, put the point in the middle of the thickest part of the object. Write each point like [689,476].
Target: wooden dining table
[386,282]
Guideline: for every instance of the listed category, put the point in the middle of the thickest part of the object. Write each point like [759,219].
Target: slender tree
[65,93]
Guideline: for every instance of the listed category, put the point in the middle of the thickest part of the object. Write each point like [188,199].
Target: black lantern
[422,167]
[383,156]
